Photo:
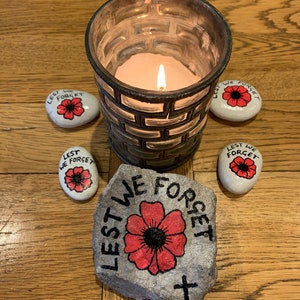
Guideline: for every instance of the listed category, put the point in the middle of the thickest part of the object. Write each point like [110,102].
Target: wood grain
[45,238]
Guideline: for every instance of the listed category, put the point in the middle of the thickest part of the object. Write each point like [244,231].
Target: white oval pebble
[78,174]
[239,167]
[72,108]
[236,101]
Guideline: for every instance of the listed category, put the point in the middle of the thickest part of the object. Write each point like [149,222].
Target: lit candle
[140,71]
[161,78]
[157,126]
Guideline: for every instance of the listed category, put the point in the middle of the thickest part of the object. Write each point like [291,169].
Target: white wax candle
[141,70]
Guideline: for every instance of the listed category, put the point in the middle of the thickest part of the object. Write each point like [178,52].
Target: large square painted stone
[154,235]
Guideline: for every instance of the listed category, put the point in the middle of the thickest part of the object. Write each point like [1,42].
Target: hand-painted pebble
[72,108]
[239,167]
[78,174]
[154,235]
[236,101]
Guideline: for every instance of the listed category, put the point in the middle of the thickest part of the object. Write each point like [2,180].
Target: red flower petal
[77,170]
[241,102]
[76,101]
[229,89]
[142,257]
[251,172]
[86,183]
[133,242]
[152,213]
[61,109]
[175,244]
[136,225]
[246,97]
[235,88]
[242,173]
[226,95]
[69,115]
[241,89]
[79,188]
[71,185]
[78,111]
[249,162]
[66,102]
[153,268]
[68,179]
[173,223]
[232,102]
[252,168]
[239,160]
[165,260]
[70,173]
[85,174]
[234,167]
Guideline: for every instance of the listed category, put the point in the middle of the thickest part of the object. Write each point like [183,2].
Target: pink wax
[141,71]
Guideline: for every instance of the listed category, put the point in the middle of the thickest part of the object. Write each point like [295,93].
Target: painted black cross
[185,286]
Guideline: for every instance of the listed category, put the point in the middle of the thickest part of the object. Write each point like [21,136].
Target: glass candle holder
[157,127]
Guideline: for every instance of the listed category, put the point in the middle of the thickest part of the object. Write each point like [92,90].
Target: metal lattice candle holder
[154,129]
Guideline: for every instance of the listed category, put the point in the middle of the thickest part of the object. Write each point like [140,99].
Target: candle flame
[161,78]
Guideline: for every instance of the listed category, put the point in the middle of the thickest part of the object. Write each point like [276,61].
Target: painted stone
[236,101]
[154,235]
[239,167]
[78,174]
[72,108]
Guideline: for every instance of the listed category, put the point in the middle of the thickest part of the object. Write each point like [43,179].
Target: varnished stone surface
[154,235]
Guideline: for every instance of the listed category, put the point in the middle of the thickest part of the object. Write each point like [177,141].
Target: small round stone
[78,174]
[72,108]
[235,101]
[239,166]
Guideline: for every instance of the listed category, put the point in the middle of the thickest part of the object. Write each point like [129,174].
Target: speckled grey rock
[154,235]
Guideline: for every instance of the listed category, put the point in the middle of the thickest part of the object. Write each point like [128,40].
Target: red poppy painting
[244,168]
[153,239]
[78,179]
[236,95]
[70,108]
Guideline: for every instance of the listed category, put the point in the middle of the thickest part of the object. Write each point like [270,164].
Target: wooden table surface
[45,238]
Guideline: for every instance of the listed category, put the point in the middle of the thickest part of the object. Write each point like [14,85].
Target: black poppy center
[236,95]
[154,238]
[77,178]
[243,167]
[70,107]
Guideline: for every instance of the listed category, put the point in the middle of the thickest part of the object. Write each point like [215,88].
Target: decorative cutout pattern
[143,137]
